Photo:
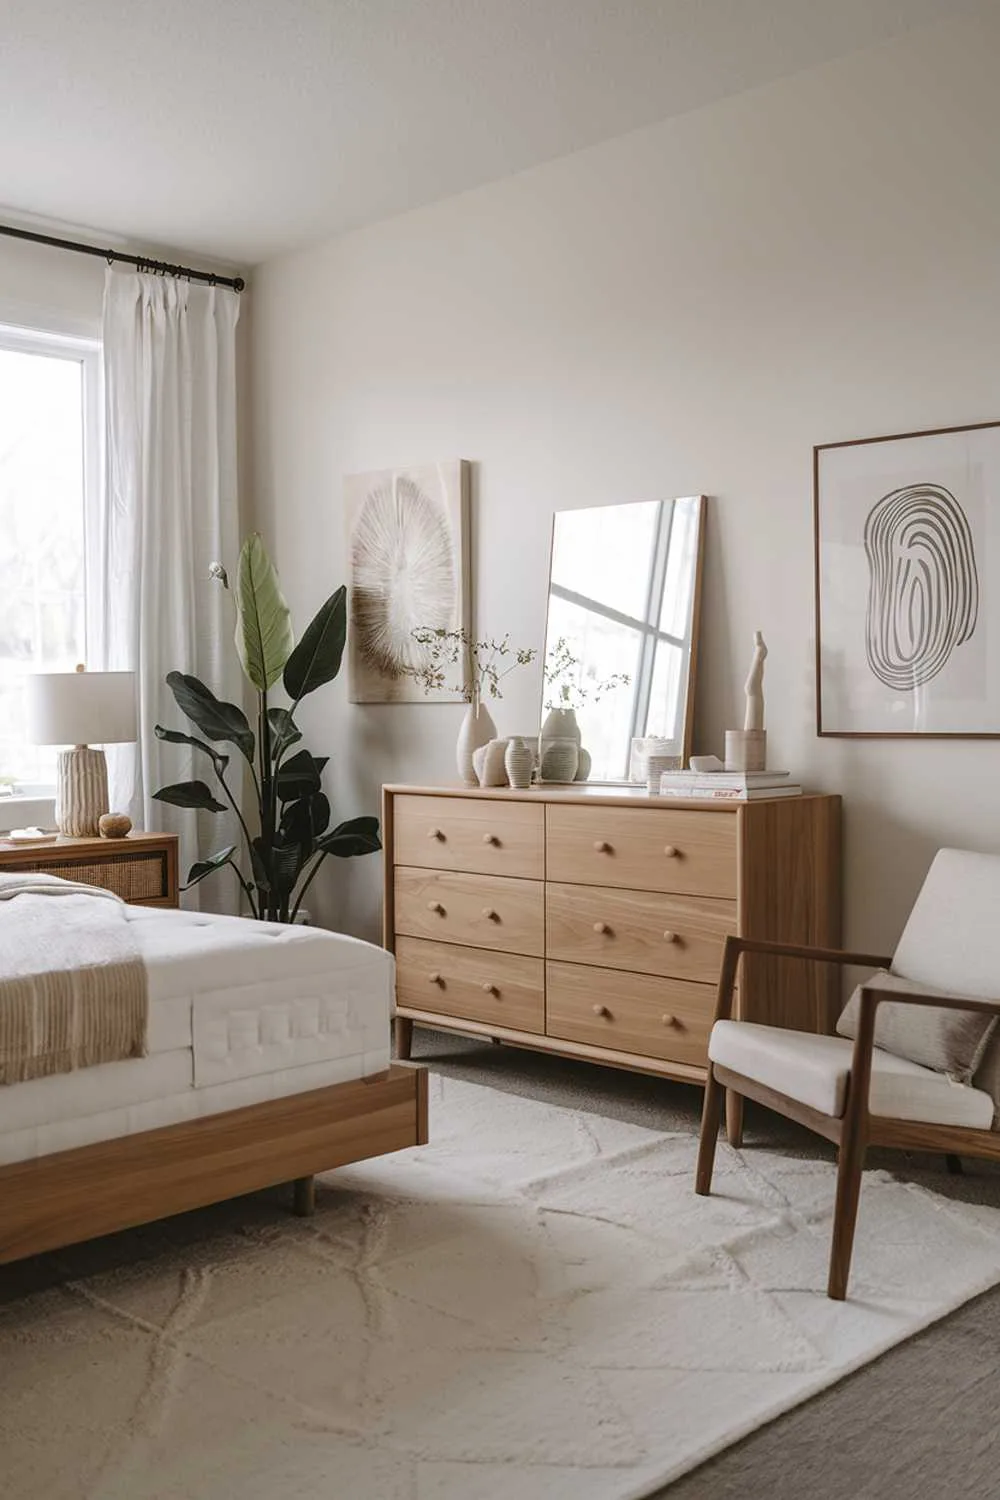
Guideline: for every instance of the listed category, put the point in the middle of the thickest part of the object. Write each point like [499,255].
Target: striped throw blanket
[73,988]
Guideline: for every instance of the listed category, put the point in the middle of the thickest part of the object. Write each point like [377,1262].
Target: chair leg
[850,1165]
[734,1118]
[954,1164]
[711,1119]
[404,1038]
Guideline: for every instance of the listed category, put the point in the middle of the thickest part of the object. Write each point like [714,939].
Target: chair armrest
[737,946]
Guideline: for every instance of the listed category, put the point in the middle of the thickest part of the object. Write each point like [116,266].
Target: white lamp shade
[81,708]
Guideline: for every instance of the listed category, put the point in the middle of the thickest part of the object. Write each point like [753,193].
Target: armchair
[854,1093]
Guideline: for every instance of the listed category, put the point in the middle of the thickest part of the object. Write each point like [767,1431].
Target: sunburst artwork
[409,567]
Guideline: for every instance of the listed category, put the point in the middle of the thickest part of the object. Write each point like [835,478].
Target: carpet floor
[919,1421]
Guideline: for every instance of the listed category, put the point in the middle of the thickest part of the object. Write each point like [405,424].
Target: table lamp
[74,708]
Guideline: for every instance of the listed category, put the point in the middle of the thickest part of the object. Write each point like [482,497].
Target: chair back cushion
[949,1041]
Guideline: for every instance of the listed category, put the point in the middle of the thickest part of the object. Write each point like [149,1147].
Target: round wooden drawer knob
[602,1010]
[671,852]
[436,906]
[435,833]
[435,978]
[602,846]
[602,927]
[669,1020]
[670,937]
[491,838]
[491,989]
[490,914]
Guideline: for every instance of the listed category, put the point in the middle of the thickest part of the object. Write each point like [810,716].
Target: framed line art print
[907,558]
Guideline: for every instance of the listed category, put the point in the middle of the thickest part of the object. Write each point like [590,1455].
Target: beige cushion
[949,1041]
[951,940]
[814,1070]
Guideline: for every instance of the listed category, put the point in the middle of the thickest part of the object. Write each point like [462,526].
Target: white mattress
[240,1012]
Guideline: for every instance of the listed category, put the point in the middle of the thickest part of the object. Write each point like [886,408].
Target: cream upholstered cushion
[949,1041]
[951,940]
[814,1070]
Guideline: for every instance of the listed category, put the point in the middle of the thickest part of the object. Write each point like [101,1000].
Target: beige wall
[689,308]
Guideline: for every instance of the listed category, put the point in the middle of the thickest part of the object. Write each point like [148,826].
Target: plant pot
[477,729]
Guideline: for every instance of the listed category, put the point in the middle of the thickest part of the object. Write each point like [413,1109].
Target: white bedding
[240,1012]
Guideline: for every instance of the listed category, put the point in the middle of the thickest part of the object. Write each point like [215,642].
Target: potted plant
[476,670]
[566,688]
[290,812]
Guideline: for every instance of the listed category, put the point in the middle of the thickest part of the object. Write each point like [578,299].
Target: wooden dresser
[590,921]
[142,868]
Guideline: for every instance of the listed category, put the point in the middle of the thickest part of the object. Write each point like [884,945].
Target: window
[49,469]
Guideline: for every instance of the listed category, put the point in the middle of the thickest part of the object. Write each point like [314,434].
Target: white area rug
[535,1306]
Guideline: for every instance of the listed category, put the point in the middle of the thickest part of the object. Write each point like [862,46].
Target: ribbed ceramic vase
[477,729]
[560,760]
[519,762]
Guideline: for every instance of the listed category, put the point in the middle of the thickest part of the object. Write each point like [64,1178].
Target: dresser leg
[734,1118]
[404,1038]
[304,1197]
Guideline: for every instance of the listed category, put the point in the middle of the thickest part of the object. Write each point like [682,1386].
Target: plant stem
[308,883]
[266,796]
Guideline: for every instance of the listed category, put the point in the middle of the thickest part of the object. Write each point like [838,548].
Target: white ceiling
[239,128]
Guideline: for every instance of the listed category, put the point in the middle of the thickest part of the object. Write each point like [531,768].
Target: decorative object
[409,570]
[584,764]
[291,811]
[474,734]
[566,690]
[622,627]
[872,1090]
[705,763]
[608,940]
[77,708]
[560,759]
[655,767]
[519,762]
[141,869]
[746,748]
[658,1340]
[114,825]
[645,746]
[906,534]
[475,669]
[31,835]
[493,771]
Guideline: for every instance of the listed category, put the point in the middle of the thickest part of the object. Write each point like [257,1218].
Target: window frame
[86,351]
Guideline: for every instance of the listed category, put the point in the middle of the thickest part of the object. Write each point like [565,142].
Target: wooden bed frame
[77,1195]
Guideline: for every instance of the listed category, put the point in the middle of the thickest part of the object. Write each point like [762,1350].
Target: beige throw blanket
[73,988]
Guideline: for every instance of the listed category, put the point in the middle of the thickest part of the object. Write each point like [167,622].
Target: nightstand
[142,868]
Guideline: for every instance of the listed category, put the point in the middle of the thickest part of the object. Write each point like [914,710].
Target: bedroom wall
[688,308]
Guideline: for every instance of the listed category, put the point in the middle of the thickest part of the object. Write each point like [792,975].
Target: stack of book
[732,786]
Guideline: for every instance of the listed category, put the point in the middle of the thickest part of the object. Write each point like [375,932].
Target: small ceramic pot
[560,760]
[519,762]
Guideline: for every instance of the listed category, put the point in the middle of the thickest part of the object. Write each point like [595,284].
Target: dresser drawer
[482,911]
[485,836]
[499,988]
[643,849]
[666,1018]
[638,930]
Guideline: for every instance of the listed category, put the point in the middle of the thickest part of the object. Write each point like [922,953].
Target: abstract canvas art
[907,532]
[408,553]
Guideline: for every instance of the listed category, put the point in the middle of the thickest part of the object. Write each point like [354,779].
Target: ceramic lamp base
[81,791]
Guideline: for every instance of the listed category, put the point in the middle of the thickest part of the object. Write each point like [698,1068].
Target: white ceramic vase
[560,760]
[560,724]
[477,729]
[519,762]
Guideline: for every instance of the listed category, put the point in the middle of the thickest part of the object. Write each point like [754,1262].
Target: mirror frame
[696,593]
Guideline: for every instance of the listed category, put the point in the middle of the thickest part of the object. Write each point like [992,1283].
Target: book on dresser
[745,786]
[590,921]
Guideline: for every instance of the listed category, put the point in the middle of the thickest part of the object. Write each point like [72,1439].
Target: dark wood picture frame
[818,450]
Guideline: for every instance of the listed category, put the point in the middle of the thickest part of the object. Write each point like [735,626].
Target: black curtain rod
[141,262]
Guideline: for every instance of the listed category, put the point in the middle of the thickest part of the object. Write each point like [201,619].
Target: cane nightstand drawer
[480,911]
[651,1017]
[141,869]
[642,931]
[502,989]
[480,837]
[642,849]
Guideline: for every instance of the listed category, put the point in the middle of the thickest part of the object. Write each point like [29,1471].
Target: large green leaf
[303,821]
[300,776]
[260,859]
[215,719]
[174,737]
[284,731]
[189,794]
[356,836]
[317,657]
[264,637]
[205,867]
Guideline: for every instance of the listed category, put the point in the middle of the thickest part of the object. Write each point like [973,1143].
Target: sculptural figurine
[754,717]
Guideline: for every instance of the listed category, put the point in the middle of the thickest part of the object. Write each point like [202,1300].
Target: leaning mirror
[622,632]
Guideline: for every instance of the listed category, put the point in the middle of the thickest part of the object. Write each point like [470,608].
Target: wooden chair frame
[857,1128]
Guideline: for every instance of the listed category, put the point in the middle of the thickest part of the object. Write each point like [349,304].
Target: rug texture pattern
[535,1305]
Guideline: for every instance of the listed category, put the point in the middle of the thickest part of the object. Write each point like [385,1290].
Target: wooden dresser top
[601,795]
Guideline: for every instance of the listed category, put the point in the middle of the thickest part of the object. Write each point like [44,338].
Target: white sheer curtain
[170,510]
